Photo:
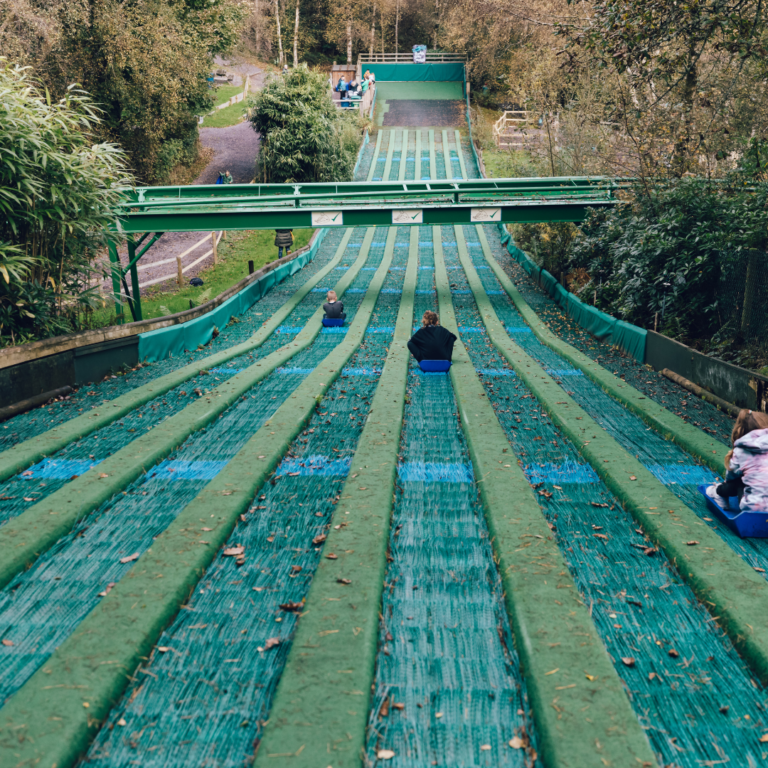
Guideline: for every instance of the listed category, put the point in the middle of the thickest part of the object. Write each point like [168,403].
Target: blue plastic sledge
[435,366]
[748,525]
[332,322]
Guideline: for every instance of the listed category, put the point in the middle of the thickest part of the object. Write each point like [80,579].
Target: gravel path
[235,149]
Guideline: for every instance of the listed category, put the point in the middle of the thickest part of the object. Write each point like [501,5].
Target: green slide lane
[51,720]
[374,159]
[25,537]
[23,455]
[592,723]
[707,449]
[324,693]
[730,589]
[432,155]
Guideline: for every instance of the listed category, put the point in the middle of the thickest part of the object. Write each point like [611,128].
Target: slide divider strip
[457,139]
[417,172]
[403,155]
[27,453]
[24,538]
[726,585]
[372,169]
[390,154]
[449,174]
[323,697]
[52,719]
[707,449]
[592,722]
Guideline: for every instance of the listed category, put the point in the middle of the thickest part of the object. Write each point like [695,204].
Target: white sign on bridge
[479,215]
[327,219]
[407,217]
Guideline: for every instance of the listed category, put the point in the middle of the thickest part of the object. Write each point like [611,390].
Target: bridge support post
[136,298]
[114,261]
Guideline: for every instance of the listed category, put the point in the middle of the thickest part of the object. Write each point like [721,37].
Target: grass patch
[234,254]
[224,118]
[225,92]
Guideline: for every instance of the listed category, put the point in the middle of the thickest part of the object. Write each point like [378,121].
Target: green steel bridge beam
[353,204]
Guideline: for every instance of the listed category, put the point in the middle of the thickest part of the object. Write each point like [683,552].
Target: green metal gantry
[351,204]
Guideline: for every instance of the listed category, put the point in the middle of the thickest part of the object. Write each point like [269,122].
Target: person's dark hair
[430,318]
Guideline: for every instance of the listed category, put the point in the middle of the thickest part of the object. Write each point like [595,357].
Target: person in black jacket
[334,309]
[431,341]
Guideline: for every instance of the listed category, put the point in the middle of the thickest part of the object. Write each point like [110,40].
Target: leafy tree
[679,250]
[144,62]
[661,47]
[57,193]
[304,137]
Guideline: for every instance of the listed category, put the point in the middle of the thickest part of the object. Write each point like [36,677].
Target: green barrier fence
[418,72]
[624,335]
[174,340]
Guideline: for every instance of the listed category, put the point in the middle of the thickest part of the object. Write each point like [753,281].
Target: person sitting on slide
[334,309]
[746,465]
[431,341]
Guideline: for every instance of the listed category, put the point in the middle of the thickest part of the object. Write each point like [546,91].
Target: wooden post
[179,273]
[215,250]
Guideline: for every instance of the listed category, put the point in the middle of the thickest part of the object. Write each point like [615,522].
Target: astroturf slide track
[65,582]
[579,720]
[59,709]
[334,648]
[667,459]
[444,643]
[681,672]
[25,537]
[704,447]
[21,456]
[725,583]
[188,694]
[52,473]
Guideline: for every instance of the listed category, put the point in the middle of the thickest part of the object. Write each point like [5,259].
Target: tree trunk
[381,19]
[397,27]
[349,42]
[279,36]
[296,38]
[373,30]
[680,160]
[257,29]
[437,22]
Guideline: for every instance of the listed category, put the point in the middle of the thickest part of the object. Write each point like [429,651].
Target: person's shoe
[722,501]
[716,497]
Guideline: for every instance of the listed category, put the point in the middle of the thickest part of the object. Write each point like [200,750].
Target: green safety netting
[624,335]
[417,72]
[175,339]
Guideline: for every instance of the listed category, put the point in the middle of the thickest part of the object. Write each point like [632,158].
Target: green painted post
[115,270]
[134,281]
